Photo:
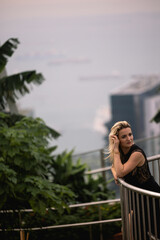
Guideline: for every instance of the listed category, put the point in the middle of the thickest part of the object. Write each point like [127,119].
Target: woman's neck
[125,150]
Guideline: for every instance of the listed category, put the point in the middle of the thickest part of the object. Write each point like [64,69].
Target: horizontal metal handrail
[138,190]
[150,159]
[98,170]
[70,206]
[111,201]
[63,225]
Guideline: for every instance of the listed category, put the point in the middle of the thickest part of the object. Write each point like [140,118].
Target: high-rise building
[137,103]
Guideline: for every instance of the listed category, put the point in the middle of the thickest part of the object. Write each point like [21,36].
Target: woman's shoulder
[136,148]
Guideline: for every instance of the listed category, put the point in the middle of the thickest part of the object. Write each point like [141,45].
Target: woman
[130,162]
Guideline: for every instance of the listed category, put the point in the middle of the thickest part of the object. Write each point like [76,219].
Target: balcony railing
[140,208]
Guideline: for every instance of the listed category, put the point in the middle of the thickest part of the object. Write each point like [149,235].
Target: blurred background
[86,50]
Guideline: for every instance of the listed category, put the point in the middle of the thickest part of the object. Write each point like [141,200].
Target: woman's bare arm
[136,159]
[114,174]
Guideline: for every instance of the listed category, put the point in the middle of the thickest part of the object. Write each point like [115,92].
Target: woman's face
[125,137]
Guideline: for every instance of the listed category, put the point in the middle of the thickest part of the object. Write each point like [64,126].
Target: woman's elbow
[120,174]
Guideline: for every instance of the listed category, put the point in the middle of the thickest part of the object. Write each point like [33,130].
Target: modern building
[137,103]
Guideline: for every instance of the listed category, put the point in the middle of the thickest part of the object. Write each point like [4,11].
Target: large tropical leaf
[6,50]
[14,86]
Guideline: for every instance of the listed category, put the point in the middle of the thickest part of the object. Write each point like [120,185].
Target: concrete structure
[137,103]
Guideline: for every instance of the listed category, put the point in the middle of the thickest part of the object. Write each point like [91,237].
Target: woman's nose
[128,137]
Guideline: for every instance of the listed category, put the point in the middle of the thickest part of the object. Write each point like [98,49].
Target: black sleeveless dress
[141,177]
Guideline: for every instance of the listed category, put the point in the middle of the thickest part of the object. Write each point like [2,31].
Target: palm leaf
[14,86]
[6,50]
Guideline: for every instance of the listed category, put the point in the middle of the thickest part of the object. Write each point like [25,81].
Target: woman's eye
[123,136]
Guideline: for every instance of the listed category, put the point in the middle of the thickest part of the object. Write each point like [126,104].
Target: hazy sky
[70,41]
[17,9]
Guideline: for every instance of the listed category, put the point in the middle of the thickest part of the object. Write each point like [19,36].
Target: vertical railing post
[149,220]
[138,215]
[159,170]
[143,216]
[122,213]
[100,218]
[127,214]
[154,217]
[90,232]
[102,163]
[130,215]
[134,216]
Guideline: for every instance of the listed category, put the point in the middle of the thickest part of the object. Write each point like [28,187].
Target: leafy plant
[31,176]
[24,147]
[14,86]
[63,171]
[25,156]
[6,51]
[73,176]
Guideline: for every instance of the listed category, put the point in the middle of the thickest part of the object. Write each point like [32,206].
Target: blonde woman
[129,161]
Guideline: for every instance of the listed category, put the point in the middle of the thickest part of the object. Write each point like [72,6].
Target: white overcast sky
[15,9]
[84,38]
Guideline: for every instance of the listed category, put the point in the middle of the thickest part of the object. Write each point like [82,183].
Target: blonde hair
[114,131]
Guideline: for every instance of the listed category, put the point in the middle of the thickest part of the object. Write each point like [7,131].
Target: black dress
[141,177]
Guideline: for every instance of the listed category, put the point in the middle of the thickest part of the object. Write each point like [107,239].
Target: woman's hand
[116,143]
[116,179]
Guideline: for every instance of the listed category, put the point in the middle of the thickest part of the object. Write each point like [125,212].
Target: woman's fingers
[114,138]
[116,181]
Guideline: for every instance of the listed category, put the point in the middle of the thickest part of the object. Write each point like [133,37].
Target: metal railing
[140,209]
[26,231]
[98,203]
[133,201]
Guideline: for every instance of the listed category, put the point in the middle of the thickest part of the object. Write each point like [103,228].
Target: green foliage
[32,177]
[24,148]
[7,119]
[25,156]
[63,171]
[11,87]
[6,50]
[38,192]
